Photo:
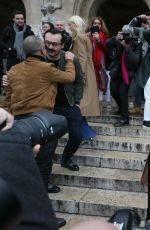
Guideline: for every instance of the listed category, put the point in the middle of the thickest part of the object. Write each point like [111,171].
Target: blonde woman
[82,48]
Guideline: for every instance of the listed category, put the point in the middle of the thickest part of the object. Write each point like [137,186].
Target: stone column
[33,13]
[148,3]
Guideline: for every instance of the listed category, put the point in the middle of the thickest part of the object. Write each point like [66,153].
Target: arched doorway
[6,9]
[115,13]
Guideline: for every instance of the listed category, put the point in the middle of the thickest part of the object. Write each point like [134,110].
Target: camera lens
[42,127]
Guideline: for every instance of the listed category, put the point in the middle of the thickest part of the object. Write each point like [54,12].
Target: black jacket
[19,170]
[133,56]
[68,40]
[8,39]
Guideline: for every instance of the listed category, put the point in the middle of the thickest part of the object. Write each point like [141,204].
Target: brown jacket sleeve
[56,75]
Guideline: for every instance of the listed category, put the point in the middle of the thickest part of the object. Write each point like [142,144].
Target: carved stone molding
[48,8]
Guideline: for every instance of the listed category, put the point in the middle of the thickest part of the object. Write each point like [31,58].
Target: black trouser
[119,91]
[45,160]
[74,119]
[148,209]
[46,155]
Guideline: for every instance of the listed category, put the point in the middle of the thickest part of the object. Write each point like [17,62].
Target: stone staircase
[109,176]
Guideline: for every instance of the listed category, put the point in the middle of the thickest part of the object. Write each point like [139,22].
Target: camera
[41,127]
[127,38]
[95,29]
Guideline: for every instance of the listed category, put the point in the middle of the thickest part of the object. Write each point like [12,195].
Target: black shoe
[146,124]
[122,122]
[60,222]
[70,165]
[53,188]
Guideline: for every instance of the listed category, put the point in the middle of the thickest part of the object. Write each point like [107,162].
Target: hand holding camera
[119,36]
[95,32]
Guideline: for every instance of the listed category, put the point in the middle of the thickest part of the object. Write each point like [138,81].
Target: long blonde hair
[80,24]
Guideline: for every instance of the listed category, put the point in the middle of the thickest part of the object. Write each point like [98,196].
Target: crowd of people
[68,74]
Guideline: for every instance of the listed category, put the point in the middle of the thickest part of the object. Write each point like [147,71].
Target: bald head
[33,45]
[59,25]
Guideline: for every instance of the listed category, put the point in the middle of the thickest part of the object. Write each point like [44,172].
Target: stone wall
[85,8]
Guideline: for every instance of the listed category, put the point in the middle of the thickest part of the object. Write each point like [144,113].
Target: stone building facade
[114,12]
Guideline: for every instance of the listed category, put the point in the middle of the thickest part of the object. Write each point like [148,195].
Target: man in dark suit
[13,36]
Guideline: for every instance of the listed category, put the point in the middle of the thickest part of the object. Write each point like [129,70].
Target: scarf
[124,69]
[18,44]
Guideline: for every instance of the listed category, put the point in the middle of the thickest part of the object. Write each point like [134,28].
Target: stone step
[128,131]
[102,178]
[116,143]
[111,119]
[106,159]
[97,202]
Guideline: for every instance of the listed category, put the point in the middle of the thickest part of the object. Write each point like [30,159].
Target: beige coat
[83,50]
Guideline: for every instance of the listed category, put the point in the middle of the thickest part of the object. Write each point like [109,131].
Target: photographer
[137,26]
[19,170]
[126,59]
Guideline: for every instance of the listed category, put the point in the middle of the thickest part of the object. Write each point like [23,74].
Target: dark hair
[103,25]
[55,31]
[49,23]
[14,13]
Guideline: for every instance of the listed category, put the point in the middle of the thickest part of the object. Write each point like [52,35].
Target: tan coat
[83,50]
[33,85]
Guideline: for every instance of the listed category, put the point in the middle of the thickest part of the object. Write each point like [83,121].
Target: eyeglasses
[54,44]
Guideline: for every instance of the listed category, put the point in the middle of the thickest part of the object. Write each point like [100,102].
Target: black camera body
[95,29]
[128,38]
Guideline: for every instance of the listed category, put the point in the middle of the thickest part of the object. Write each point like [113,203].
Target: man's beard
[51,54]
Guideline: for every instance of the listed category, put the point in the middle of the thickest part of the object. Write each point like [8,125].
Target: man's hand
[5,116]
[5,81]
[119,36]
[36,150]
[96,36]
[69,55]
